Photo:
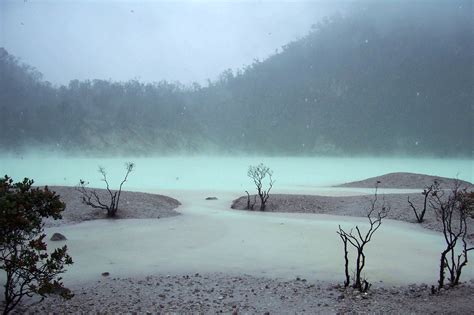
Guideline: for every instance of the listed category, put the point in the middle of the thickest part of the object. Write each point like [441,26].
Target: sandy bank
[133,205]
[355,206]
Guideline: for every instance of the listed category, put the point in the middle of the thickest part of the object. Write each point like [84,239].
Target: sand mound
[405,181]
[350,206]
[133,205]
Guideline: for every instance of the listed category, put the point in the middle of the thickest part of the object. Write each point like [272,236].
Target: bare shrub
[91,198]
[452,209]
[258,174]
[358,240]
[426,193]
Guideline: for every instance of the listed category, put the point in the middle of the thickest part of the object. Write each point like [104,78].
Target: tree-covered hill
[380,80]
[361,84]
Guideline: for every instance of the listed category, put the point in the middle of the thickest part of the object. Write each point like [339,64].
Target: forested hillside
[356,84]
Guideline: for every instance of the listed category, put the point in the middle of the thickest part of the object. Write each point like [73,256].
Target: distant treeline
[382,80]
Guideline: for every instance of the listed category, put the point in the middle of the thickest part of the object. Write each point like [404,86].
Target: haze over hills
[356,84]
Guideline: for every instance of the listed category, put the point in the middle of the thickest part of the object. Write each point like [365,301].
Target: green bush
[24,258]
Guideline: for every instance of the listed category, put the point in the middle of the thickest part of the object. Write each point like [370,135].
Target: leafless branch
[91,198]
[258,174]
[375,214]
[452,210]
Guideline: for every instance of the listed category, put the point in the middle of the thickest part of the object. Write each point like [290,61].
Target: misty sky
[151,40]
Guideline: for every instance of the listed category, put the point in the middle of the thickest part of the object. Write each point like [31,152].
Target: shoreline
[354,206]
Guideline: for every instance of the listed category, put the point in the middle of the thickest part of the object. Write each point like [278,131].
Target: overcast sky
[185,40]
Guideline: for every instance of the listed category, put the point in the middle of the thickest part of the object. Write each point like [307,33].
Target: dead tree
[452,210]
[343,237]
[250,206]
[258,174]
[358,240]
[91,197]
[426,193]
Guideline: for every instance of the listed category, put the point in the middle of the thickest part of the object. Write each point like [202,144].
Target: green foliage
[24,258]
[468,200]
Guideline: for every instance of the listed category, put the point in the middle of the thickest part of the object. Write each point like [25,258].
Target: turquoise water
[224,173]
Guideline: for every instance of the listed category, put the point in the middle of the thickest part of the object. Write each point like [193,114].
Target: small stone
[58,237]
[211,198]
[105,274]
